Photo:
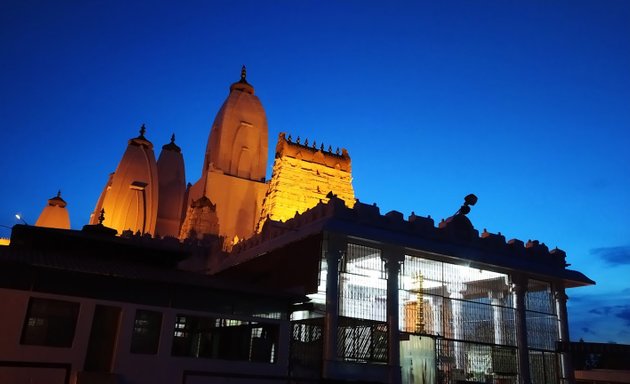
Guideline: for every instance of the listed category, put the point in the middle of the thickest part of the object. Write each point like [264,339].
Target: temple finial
[142,130]
[59,193]
[101,217]
[243,73]
[173,138]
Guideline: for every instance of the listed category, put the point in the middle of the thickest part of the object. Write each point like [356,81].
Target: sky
[524,103]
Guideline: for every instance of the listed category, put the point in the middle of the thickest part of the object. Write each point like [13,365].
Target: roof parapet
[457,229]
[313,153]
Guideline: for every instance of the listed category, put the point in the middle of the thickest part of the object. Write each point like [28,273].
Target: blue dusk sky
[524,103]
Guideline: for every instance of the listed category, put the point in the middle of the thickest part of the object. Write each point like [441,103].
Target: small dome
[57,201]
[141,140]
[172,146]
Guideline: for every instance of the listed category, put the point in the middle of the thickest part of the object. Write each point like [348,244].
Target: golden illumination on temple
[232,198]
[55,214]
[130,197]
[303,175]
[234,169]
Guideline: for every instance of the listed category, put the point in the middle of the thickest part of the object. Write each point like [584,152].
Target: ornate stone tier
[454,238]
[302,177]
[312,153]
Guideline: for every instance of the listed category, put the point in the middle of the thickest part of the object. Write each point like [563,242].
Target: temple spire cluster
[232,199]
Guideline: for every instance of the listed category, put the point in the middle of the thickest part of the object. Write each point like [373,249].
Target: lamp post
[19,217]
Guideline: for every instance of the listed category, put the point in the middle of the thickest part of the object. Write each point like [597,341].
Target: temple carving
[304,176]
[232,199]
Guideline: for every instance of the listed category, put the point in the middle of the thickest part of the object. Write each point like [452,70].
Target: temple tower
[233,174]
[130,197]
[55,214]
[303,175]
[172,190]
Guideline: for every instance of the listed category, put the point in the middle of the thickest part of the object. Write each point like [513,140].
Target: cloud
[603,310]
[613,255]
[600,317]
[624,314]
[620,311]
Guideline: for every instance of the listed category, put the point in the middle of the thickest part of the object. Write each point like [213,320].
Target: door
[100,351]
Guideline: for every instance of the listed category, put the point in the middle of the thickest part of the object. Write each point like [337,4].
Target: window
[146,332]
[50,323]
[226,339]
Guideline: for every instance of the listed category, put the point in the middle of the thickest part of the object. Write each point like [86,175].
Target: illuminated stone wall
[302,176]
[172,190]
[130,198]
[55,214]
[234,170]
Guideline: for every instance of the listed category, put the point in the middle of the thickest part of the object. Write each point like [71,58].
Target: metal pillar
[334,248]
[393,258]
[566,366]
[519,288]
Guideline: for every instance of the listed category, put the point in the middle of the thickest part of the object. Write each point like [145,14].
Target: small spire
[289,138]
[59,193]
[173,138]
[143,129]
[243,73]
[101,217]
[306,142]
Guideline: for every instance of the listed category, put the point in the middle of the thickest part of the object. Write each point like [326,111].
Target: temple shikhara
[235,277]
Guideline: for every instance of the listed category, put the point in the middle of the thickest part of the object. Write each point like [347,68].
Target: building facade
[292,280]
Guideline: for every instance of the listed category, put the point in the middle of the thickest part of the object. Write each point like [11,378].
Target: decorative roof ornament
[57,201]
[172,146]
[143,129]
[469,200]
[243,74]
[101,217]
[242,84]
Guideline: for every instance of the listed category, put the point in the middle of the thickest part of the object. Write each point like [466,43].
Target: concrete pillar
[456,310]
[436,308]
[566,367]
[334,249]
[496,300]
[519,288]
[393,258]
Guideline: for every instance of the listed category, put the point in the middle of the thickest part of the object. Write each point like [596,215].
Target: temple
[242,279]
[55,214]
